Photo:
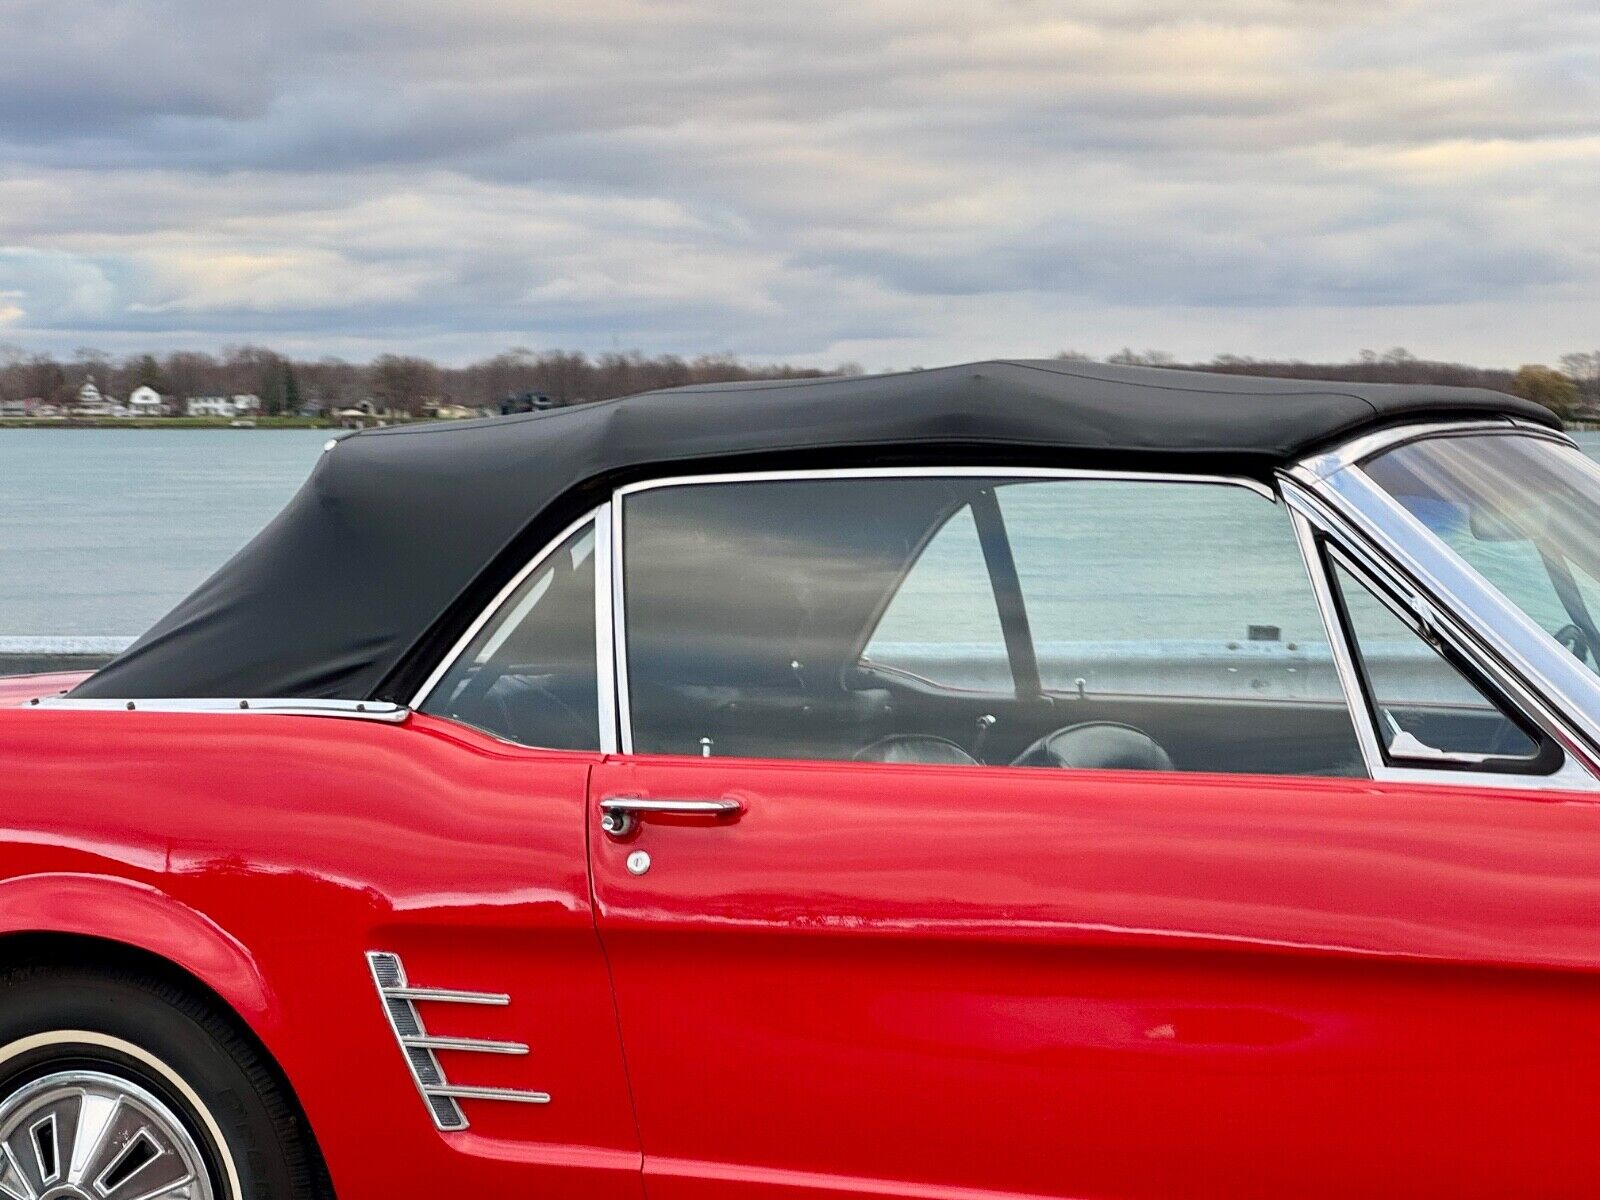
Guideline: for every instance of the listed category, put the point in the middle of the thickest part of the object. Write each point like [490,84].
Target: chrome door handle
[619,814]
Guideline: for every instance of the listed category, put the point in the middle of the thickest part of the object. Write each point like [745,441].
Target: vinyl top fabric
[401,534]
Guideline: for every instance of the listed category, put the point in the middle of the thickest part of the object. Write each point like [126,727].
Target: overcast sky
[895,182]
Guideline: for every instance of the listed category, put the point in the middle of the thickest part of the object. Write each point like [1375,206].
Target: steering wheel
[1575,640]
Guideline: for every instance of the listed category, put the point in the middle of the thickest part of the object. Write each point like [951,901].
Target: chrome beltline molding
[350,710]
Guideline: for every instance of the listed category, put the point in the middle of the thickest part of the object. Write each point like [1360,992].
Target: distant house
[449,412]
[15,408]
[146,402]
[91,402]
[243,405]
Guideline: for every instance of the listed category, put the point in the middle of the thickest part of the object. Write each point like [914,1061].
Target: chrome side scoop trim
[420,1048]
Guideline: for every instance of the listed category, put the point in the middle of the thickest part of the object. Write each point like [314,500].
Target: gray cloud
[878,178]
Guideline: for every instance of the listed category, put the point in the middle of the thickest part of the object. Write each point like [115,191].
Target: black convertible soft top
[402,534]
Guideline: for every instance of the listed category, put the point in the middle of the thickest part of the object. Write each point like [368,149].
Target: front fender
[145,918]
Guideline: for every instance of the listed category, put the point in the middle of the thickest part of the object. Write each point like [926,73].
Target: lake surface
[103,530]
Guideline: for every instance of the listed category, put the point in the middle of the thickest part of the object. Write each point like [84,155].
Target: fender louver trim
[400,1000]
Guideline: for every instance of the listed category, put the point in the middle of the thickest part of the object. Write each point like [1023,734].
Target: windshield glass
[1524,512]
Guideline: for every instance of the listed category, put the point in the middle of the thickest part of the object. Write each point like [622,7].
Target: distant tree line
[404,383]
[408,383]
[1571,390]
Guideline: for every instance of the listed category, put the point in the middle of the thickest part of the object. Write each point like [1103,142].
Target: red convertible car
[1019,779]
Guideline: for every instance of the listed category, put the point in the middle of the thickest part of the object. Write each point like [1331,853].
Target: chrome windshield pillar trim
[605,647]
[1404,567]
[350,710]
[1357,450]
[494,606]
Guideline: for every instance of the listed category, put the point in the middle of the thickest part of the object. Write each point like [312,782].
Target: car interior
[769,662]
[748,618]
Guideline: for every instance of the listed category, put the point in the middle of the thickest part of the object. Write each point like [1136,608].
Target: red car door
[965,842]
[946,981]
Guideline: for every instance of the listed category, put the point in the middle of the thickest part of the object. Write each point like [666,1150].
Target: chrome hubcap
[86,1135]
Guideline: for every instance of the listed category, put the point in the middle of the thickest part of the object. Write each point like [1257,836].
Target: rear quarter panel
[267,854]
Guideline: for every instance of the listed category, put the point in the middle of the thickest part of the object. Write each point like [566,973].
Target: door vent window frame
[1560,766]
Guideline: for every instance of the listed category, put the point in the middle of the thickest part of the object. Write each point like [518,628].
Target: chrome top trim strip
[445,995]
[997,472]
[494,606]
[1357,450]
[350,710]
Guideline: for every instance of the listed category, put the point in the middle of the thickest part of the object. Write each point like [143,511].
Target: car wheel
[114,1086]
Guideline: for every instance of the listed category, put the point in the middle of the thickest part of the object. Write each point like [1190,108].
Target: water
[103,530]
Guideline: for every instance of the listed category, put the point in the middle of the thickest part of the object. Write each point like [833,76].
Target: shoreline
[35,655]
[165,423]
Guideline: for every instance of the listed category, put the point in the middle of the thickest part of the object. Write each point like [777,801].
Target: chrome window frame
[1467,769]
[619,497]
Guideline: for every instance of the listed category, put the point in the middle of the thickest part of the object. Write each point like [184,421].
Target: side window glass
[748,605]
[858,618]
[529,675]
[943,624]
[1184,612]
[1426,711]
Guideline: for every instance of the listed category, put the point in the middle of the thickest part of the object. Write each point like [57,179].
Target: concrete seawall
[30,655]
